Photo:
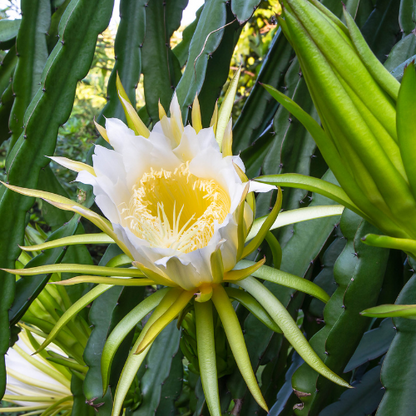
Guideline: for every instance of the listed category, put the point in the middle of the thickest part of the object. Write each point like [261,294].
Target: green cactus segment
[373,344]
[8,32]
[161,382]
[218,69]
[32,53]
[258,111]
[80,407]
[53,29]
[399,367]
[28,289]
[207,37]
[364,398]
[379,38]
[129,40]
[407,16]
[243,9]
[100,317]
[161,68]
[68,63]
[7,69]
[181,50]
[359,273]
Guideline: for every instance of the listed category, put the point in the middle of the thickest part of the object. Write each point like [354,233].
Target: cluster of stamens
[176,209]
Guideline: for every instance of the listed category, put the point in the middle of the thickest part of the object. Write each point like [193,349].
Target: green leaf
[7,68]
[80,407]
[385,241]
[218,69]
[265,227]
[134,361]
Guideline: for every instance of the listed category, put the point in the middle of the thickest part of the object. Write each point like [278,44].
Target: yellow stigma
[176,209]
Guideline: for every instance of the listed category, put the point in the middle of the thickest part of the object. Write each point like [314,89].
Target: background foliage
[53,85]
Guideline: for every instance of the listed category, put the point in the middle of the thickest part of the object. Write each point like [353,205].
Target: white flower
[172,198]
[33,383]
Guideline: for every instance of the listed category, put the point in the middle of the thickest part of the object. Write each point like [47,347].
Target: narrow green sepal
[391,311]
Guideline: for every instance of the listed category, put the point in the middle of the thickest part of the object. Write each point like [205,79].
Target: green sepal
[122,329]
[373,65]
[72,311]
[286,279]
[391,311]
[406,123]
[253,306]
[235,338]
[77,268]
[289,327]
[405,244]
[206,355]
[98,238]
[168,316]
[275,248]
[254,244]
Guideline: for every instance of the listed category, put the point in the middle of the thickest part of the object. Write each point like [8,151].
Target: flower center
[176,209]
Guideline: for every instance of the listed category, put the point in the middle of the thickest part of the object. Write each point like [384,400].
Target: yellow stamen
[176,209]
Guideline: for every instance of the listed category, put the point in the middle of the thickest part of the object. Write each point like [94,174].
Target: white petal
[260,187]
